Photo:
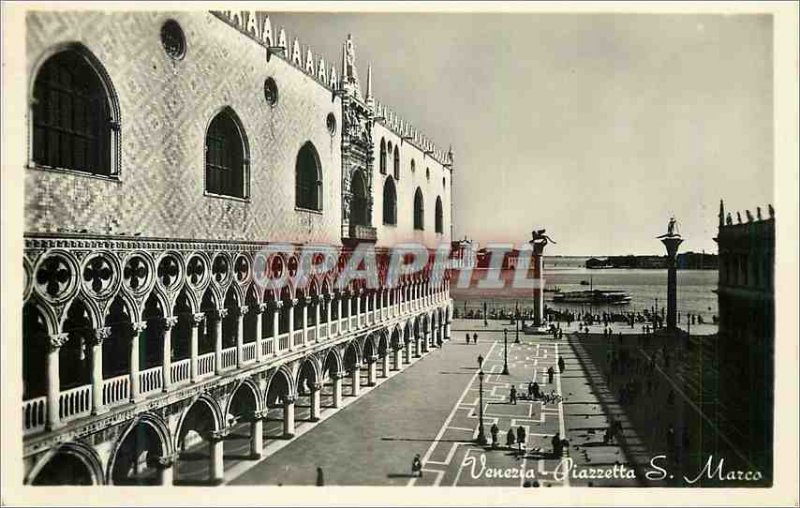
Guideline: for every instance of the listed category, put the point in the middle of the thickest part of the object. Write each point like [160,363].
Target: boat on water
[593,296]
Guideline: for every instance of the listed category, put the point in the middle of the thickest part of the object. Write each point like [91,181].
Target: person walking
[556,442]
[320,478]
[550,374]
[510,438]
[474,338]
[416,466]
[520,438]
[536,392]
[512,396]
[561,364]
[530,390]
[494,431]
[467,337]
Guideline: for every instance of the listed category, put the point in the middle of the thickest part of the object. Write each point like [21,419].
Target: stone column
[100,335]
[372,370]
[276,330]
[375,306]
[240,335]
[138,331]
[337,390]
[407,349]
[291,325]
[196,320]
[349,308]
[316,393]
[385,372]
[260,330]
[417,347]
[356,380]
[671,243]
[221,314]
[54,380]
[306,301]
[216,446]
[288,416]
[447,335]
[425,340]
[328,300]
[316,317]
[166,354]
[257,434]
[166,469]
[398,358]
[339,312]
[358,307]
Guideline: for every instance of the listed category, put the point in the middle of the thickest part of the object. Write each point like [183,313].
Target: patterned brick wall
[166,107]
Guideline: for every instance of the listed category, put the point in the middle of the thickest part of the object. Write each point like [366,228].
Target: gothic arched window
[396,163]
[308,179]
[359,212]
[383,157]
[73,117]
[226,156]
[389,202]
[439,216]
[419,210]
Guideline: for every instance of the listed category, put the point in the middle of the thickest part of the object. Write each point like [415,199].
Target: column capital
[244,309]
[288,399]
[316,386]
[57,340]
[279,305]
[260,414]
[170,321]
[295,301]
[198,318]
[222,313]
[140,326]
[219,435]
[327,296]
[372,358]
[167,461]
[261,307]
[100,334]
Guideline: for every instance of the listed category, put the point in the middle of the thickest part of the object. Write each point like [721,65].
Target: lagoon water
[647,289]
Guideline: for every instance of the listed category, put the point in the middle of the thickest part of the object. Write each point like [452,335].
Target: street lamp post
[481,433]
[516,340]
[505,352]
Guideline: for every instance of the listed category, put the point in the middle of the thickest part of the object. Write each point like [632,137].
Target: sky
[597,127]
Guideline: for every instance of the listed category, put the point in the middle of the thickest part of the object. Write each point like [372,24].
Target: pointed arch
[159,429]
[382,156]
[227,156]
[308,178]
[419,210]
[389,202]
[71,72]
[439,215]
[46,472]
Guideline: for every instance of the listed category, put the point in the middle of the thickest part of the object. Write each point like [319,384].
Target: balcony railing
[205,364]
[75,402]
[116,390]
[229,357]
[249,352]
[180,371]
[267,346]
[283,342]
[359,232]
[151,380]
[34,414]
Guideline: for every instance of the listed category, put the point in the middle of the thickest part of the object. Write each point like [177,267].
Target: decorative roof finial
[282,39]
[266,32]
[758,213]
[370,100]
[739,217]
[749,215]
[721,213]
[728,220]
[771,211]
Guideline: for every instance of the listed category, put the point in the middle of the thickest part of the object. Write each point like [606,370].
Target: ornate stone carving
[170,322]
[57,340]
[100,334]
[198,318]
